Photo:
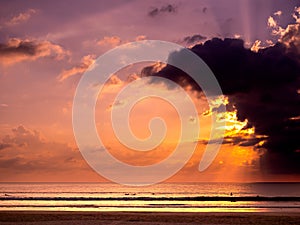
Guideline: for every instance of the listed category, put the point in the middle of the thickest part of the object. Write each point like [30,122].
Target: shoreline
[151,218]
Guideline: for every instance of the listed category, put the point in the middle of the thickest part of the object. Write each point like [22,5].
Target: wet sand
[131,218]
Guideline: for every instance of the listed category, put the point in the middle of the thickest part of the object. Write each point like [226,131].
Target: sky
[252,46]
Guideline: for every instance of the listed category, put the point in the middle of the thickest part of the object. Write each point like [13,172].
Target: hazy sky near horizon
[46,46]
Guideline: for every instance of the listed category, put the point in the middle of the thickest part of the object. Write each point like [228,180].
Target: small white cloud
[269,42]
[296,14]
[237,36]
[276,29]
[271,22]
[86,62]
[256,46]
[112,41]
[278,13]
[21,18]
[114,80]
[141,38]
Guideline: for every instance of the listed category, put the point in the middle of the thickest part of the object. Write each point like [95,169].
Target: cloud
[289,36]
[112,41]
[18,50]
[114,80]
[262,86]
[194,39]
[278,13]
[141,38]
[86,62]
[271,22]
[24,151]
[276,29]
[240,140]
[256,46]
[21,18]
[296,14]
[4,145]
[169,8]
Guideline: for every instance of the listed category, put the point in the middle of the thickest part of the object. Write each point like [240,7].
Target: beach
[162,204]
[129,218]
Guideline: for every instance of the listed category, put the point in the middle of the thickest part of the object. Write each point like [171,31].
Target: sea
[164,197]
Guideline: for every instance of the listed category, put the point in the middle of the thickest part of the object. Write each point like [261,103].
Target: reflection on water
[24,197]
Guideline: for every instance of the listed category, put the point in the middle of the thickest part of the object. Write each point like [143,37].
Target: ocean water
[165,197]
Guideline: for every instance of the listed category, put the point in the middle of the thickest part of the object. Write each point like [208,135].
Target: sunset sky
[252,46]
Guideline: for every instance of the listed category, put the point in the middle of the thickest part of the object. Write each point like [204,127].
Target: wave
[198,198]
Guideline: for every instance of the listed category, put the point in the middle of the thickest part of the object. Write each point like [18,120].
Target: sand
[128,218]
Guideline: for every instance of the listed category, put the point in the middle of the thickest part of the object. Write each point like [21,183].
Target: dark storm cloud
[169,8]
[263,86]
[194,39]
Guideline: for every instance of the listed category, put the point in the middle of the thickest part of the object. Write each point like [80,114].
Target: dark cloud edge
[263,87]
